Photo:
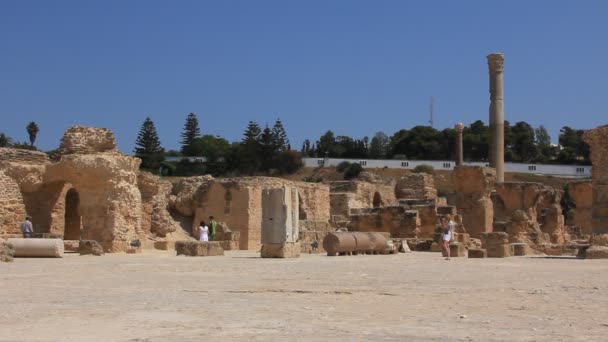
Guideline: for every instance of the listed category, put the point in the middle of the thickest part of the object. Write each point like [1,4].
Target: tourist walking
[446,236]
[203,230]
[26,227]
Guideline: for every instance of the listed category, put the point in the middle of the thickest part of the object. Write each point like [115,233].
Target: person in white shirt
[446,236]
[203,231]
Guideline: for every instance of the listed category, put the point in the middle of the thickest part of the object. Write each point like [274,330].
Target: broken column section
[280,226]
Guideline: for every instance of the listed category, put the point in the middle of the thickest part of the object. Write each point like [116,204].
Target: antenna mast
[431,110]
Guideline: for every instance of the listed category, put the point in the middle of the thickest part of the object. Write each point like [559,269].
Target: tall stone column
[459,128]
[497,115]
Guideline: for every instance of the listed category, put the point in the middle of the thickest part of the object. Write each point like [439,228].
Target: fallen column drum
[52,248]
[348,242]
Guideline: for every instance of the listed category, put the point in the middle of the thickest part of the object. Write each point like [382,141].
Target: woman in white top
[448,230]
[203,231]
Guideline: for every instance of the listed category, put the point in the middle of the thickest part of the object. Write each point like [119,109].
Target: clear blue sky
[355,67]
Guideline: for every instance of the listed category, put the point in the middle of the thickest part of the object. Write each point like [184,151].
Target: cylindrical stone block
[52,248]
[339,242]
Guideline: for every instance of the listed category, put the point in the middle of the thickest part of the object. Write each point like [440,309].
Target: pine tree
[268,149]
[148,147]
[249,156]
[280,136]
[190,133]
[32,131]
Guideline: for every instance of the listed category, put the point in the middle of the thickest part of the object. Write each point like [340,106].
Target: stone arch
[72,218]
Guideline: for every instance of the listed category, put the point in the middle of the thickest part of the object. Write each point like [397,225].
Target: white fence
[576,171]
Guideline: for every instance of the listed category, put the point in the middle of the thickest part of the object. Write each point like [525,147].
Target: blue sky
[355,67]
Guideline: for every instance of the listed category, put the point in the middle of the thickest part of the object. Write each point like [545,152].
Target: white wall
[579,171]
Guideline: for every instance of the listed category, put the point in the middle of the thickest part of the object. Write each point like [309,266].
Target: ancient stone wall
[108,198]
[473,185]
[155,198]
[237,201]
[581,193]
[86,140]
[12,208]
[23,156]
[597,139]
[396,220]
[540,203]
[416,185]
[346,195]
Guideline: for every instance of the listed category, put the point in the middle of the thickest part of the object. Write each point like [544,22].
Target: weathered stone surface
[496,244]
[472,198]
[281,250]
[396,220]
[86,140]
[419,245]
[355,194]
[108,200]
[229,245]
[458,249]
[155,198]
[238,203]
[581,193]
[198,248]
[597,139]
[499,251]
[520,249]
[312,234]
[12,208]
[478,253]
[7,252]
[23,156]
[52,248]
[280,215]
[71,245]
[164,245]
[596,252]
[86,247]
[532,211]
[416,185]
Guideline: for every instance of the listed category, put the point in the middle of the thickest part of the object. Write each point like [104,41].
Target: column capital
[459,127]
[496,62]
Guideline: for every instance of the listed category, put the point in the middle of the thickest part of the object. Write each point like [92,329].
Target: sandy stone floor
[407,297]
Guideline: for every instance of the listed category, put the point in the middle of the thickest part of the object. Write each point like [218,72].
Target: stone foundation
[278,250]
[198,248]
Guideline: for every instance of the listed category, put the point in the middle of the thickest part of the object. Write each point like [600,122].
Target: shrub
[424,169]
[290,162]
[343,166]
[352,171]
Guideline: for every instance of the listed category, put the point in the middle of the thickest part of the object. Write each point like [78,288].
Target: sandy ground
[156,296]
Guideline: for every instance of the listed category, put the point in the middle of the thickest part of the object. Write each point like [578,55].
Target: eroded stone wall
[416,185]
[86,140]
[581,193]
[473,185]
[155,199]
[12,208]
[23,156]
[597,139]
[237,201]
[396,220]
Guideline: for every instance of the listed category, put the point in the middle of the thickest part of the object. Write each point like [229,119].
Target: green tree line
[523,143]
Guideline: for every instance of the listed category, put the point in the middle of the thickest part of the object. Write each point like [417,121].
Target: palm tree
[32,130]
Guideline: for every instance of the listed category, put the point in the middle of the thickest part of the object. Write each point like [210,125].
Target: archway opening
[73,221]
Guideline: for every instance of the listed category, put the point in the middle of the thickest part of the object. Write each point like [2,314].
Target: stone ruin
[597,139]
[95,193]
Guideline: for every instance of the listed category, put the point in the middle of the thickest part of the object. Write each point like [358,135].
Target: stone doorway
[73,221]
